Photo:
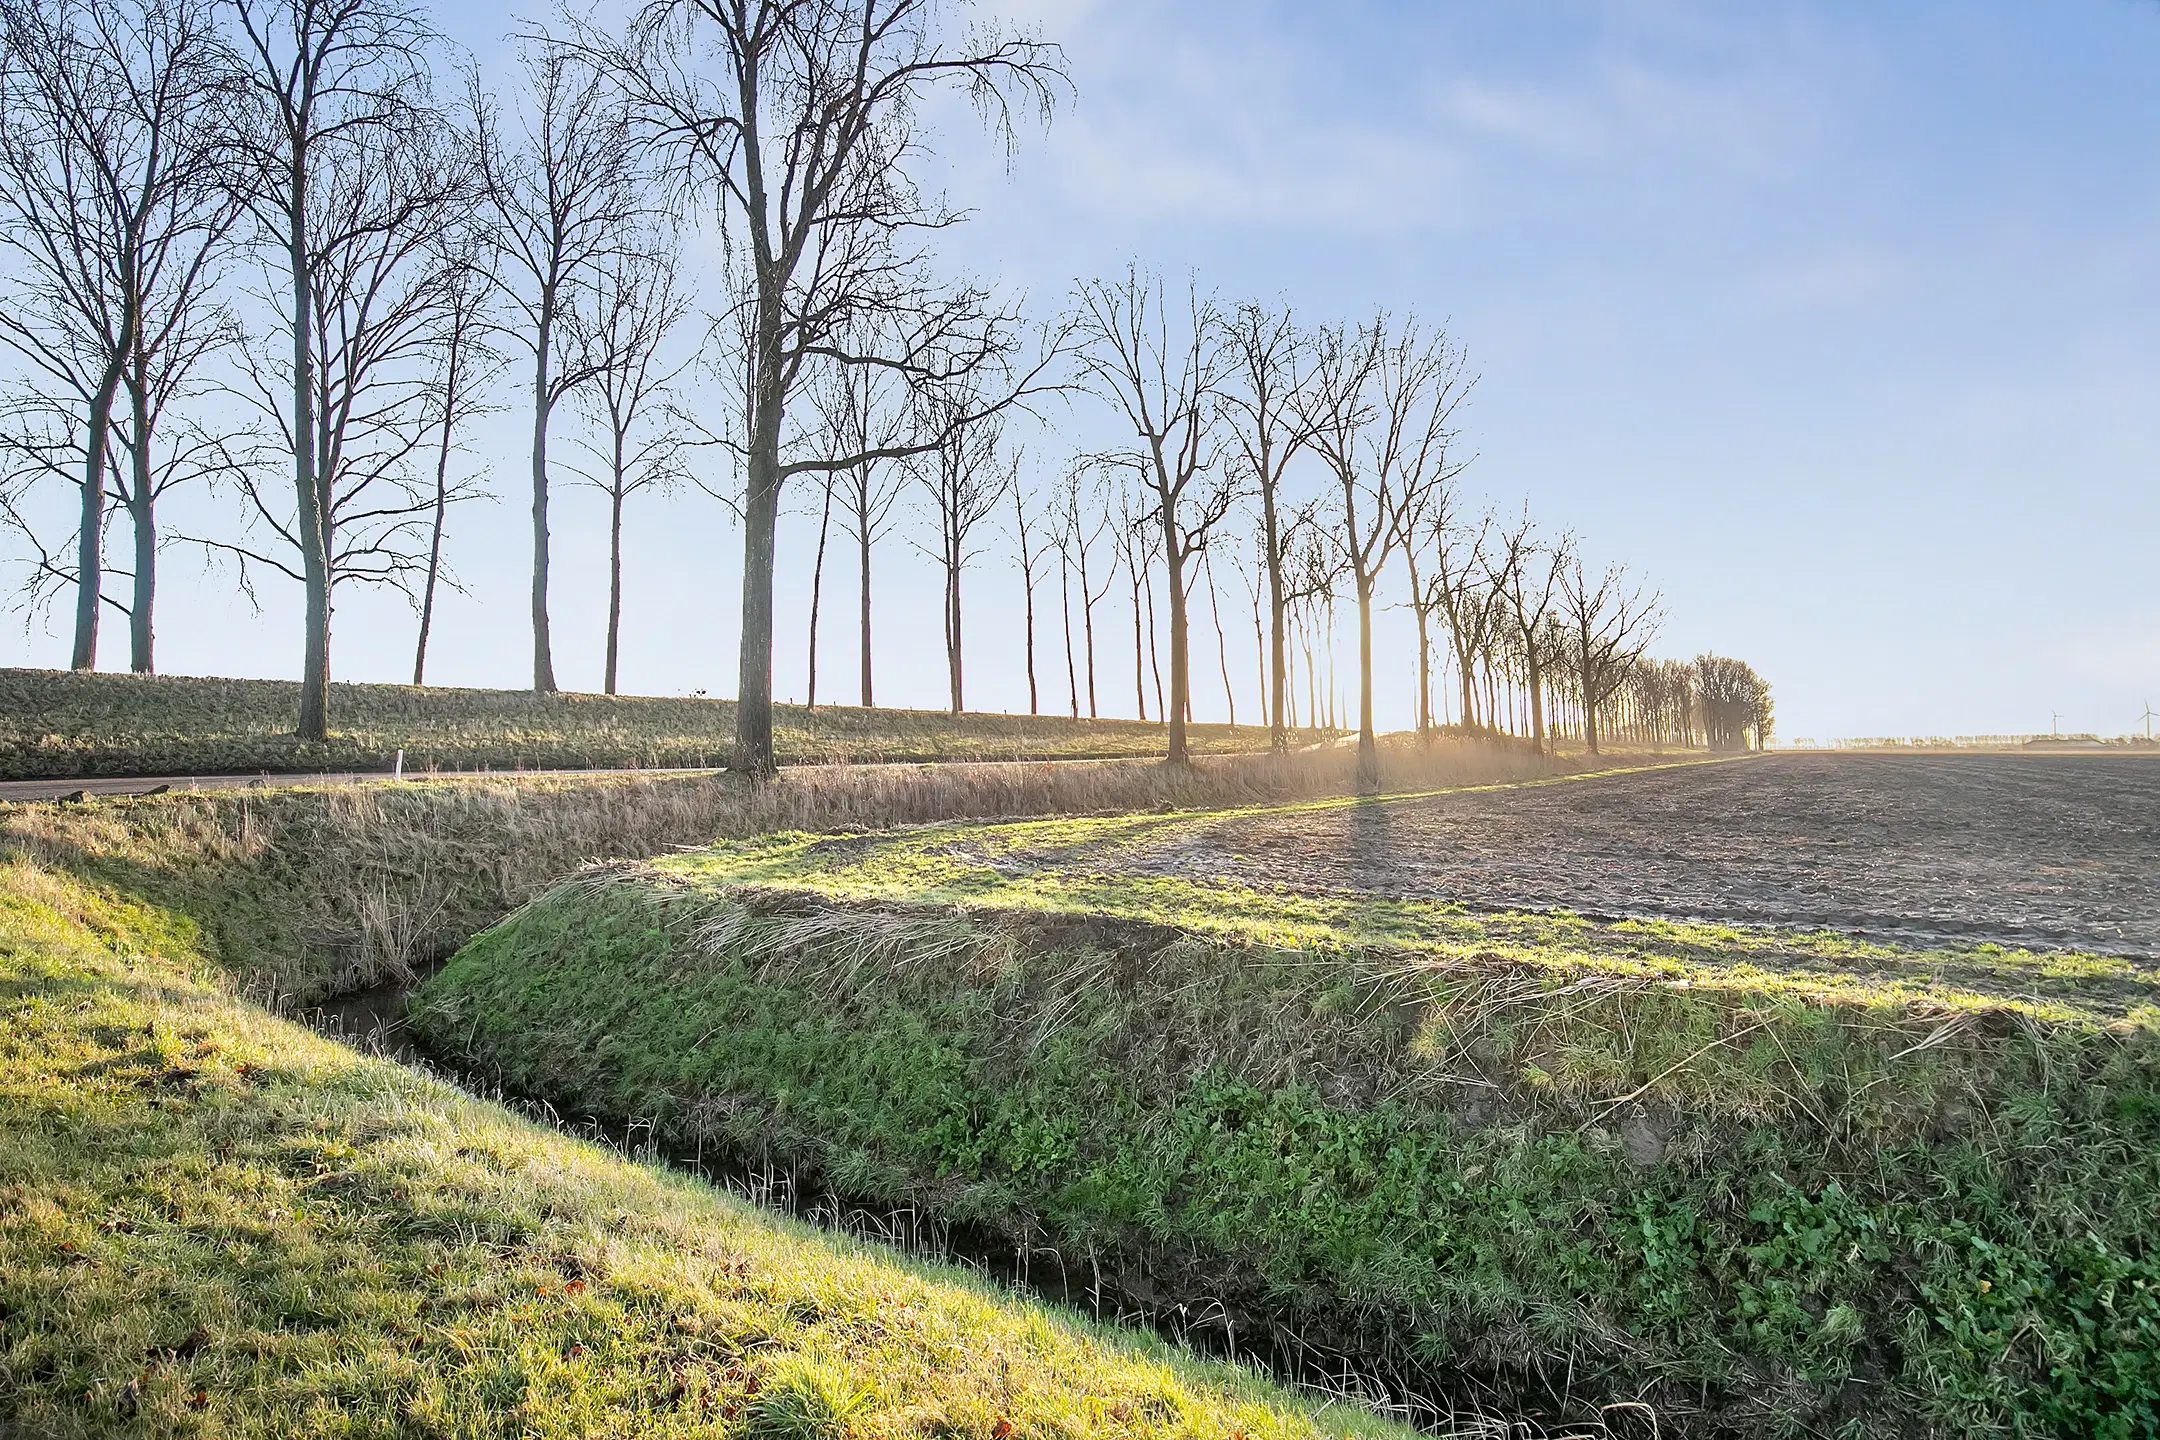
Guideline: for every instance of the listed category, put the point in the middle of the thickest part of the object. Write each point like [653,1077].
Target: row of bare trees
[281,202]
[269,208]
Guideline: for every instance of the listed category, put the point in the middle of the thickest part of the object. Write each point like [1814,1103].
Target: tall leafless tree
[1028,545]
[1082,519]
[966,479]
[796,125]
[1380,411]
[382,179]
[341,88]
[1610,620]
[117,122]
[637,303]
[862,420]
[466,362]
[1262,396]
[562,194]
[1524,573]
[1162,373]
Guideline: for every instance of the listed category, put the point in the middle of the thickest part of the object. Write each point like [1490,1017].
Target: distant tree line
[289,251]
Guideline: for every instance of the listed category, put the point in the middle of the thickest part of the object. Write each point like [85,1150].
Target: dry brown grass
[308,892]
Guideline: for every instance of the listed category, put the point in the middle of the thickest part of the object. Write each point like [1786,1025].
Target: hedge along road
[2053,851]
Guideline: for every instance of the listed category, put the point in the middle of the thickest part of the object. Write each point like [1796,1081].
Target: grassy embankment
[1772,1183]
[64,723]
[215,1223]
[312,891]
[211,1222]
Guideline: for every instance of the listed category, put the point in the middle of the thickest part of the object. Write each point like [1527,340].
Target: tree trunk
[761,522]
[142,504]
[1222,641]
[1589,709]
[952,635]
[1424,649]
[543,649]
[1072,676]
[313,507]
[1537,696]
[89,558]
[862,537]
[1180,700]
[442,504]
[1087,625]
[1368,746]
[1278,654]
[1154,663]
[1027,586]
[614,556]
[817,591]
[1139,652]
[1466,665]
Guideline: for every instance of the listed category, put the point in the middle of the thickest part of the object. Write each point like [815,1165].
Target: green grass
[1775,1182]
[66,723]
[213,1222]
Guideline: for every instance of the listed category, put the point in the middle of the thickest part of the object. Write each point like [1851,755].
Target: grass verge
[68,723]
[213,1222]
[310,891]
[1768,1183]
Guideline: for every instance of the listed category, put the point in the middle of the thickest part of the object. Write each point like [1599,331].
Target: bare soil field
[2045,852]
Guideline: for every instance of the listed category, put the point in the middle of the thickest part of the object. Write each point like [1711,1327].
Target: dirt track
[2050,852]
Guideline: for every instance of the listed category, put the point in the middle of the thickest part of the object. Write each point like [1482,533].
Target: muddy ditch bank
[1376,1374]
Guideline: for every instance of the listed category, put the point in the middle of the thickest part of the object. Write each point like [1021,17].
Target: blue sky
[1838,322]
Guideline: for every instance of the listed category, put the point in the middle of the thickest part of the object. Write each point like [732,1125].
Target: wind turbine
[2148,717]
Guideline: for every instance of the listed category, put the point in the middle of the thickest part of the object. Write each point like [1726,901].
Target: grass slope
[68,723]
[213,1222]
[1775,1183]
[307,891]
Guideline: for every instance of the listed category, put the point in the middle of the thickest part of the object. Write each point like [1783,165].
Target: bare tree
[1458,589]
[358,179]
[1026,532]
[1525,574]
[116,126]
[1610,622]
[341,88]
[1082,521]
[636,306]
[860,423]
[1262,395]
[797,125]
[1735,703]
[466,363]
[1162,376]
[1380,411]
[562,197]
[966,479]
